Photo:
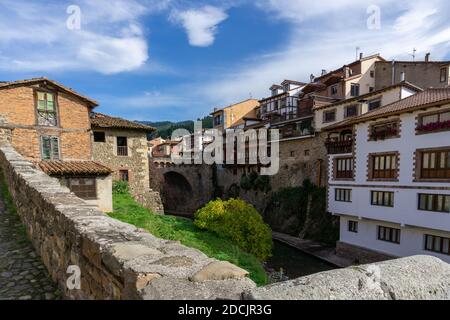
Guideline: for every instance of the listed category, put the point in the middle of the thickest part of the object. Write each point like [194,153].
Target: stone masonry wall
[412,278]
[116,260]
[136,163]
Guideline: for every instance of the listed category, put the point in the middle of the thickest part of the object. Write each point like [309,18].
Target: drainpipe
[393,72]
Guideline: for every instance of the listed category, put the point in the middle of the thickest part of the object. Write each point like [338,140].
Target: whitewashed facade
[393,220]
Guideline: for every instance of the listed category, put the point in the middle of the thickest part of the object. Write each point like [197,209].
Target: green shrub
[121,187]
[238,221]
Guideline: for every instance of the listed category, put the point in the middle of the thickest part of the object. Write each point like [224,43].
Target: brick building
[49,124]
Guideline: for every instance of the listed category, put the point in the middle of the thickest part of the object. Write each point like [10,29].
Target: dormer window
[46,109]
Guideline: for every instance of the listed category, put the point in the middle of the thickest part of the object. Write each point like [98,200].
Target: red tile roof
[73,168]
[404,84]
[100,120]
[426,99]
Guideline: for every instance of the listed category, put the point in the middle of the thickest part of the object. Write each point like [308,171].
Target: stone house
[425,74]
[122,146]
[48,123]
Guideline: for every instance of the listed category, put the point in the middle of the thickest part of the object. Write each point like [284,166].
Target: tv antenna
[413,55]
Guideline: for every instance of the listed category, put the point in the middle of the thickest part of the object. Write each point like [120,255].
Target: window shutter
[41,101]
[46,148]
[50,102]
[55,148]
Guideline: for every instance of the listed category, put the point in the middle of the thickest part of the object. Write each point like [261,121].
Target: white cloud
[111,39]
[200,24]
[325,35]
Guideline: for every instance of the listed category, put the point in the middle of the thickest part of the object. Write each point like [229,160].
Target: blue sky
[178,59]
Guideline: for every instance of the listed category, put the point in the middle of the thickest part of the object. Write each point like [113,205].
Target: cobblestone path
[22,273]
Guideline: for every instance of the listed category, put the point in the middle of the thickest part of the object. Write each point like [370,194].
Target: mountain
[164,129]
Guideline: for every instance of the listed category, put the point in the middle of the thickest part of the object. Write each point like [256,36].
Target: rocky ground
[22,273]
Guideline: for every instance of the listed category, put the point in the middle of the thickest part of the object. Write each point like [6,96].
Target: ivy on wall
[301,212]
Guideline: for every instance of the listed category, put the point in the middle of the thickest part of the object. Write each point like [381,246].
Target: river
[294,262]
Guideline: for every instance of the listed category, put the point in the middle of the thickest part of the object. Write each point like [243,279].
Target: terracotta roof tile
[427,98]
[405,84]
[100,120]
[73,168]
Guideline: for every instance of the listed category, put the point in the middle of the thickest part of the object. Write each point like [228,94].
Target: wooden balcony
[339,146]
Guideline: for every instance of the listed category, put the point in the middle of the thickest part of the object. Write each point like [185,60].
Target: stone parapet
[116,260]
[412,278]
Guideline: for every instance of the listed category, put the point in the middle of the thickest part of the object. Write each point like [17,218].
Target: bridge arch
[177,194]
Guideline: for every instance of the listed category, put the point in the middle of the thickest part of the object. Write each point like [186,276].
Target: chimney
[324,72]
[312,77]
[347,72]
[361,55]
[402,77]
[427,57]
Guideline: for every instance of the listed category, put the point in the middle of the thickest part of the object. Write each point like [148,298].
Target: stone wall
[359,254]
[136,163]
[412,278]
[116,260]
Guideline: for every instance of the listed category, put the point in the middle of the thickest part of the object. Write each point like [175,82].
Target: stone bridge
[183,188]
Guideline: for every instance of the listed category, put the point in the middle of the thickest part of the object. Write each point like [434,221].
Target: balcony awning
[73,168]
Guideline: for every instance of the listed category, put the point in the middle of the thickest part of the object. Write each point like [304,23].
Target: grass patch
[184,230]
[11,210]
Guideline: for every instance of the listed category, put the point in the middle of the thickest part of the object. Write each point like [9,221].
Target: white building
[390,185]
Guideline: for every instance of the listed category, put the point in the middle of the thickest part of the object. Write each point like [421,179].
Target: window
[354,90]
[382,199]
[435,164]
[99,136]
[329,116]
[292,154]
[434,202]
[344,168]
[46,109]
[389,234]
[372,74]
[353,226]
[84,188]
[50,148]
[343,195]
[384,131]
[437,244]
[444,77]
[307,153]
[384,166]
[334,90]
[124,176]
[371,89]
[438,121]
[122,146]
[374,104]
[351,111]
[218,120]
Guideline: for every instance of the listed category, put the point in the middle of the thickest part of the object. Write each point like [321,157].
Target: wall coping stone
[117,260]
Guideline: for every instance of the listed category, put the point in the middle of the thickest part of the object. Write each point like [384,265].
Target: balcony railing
[434,127]
[340,146]
[122,151]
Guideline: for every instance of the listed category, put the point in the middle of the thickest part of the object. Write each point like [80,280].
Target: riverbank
[126,209]
[316,249]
